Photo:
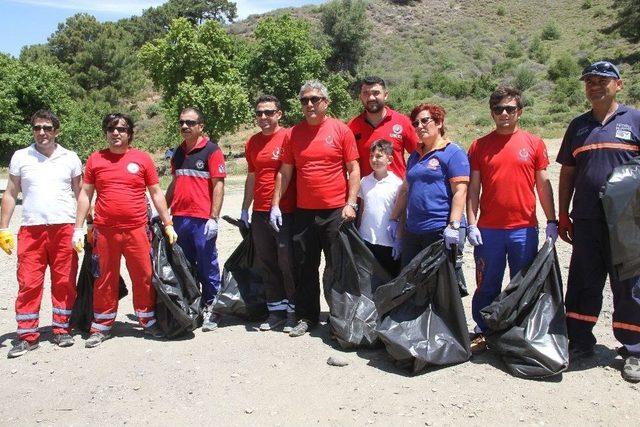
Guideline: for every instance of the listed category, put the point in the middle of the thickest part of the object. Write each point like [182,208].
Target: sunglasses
[120,129]
[498,109]
[189,123]
[267,113]
[314,99]
[424,121]
[38,128]
[601,67]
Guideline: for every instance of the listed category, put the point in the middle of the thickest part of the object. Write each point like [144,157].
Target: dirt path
[240,376]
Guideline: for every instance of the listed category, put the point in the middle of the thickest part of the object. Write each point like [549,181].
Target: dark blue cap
[602,69]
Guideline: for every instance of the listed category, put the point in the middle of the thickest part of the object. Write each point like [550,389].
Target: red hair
[436,112]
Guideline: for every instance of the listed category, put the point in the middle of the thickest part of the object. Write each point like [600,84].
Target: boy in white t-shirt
[378,192]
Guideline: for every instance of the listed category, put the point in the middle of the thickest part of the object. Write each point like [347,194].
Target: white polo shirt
[47,197]
[379,198]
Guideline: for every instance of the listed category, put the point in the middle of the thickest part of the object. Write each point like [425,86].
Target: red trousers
[109,245]
[40,246]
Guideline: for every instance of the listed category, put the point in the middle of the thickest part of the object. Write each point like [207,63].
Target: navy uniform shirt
[594,149]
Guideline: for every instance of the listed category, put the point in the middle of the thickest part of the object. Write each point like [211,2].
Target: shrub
[564,67]
[501,10]
[550,31]
[567,91]
[524,78]
[513,48]
[586,4]
[537,51]
[634,92]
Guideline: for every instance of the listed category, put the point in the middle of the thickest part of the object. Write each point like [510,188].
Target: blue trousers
[517,246]
[201,253]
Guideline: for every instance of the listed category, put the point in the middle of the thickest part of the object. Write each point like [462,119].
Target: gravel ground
[240,376]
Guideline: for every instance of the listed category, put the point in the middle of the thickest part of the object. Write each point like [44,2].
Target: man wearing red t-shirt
[506,164]
[274,249]
[325,157]
[120,175]
[195,196]
[378,121]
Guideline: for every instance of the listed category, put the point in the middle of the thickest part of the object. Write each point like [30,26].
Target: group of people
[304,183]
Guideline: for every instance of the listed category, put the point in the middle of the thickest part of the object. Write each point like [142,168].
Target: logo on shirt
[200,164]
[623,131]
[524,154]
[133,167]
[582,131]
[433,163]
[221,168]
[276,154]
[397,129]
[329,140]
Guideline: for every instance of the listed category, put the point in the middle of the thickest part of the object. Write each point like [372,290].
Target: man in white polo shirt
[48,176]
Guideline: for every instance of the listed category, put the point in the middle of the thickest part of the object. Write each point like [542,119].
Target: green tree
[550,31]
[345,24]
[564,67]
[72,36]
[513,48]
[629,18]
[198,66]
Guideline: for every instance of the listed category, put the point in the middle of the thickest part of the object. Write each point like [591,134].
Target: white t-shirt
[379,198]
[47,197]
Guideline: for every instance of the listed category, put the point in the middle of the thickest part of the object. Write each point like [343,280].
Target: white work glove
[451,237]
[77,240]
[275,218]
[552,231]
[392,228]
[473,235]
[244,217]
[396,251]
[211,229]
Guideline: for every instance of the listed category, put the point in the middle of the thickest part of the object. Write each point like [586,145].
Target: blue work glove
[552,231]
[244,217]
[275,218]
[451,237]
[210,229]
[392,228]
[473,235]
[396,251]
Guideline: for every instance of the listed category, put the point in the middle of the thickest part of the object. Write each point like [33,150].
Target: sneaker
[273,321]
[154,331]
[478,343]
[21,347]
[96,339]
[290,323]
[210,321]
[578,353]
[63,340]
[300,329]
[631,369]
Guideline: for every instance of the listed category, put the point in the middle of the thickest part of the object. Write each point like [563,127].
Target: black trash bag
[242,290]
[178,308]
[527,323]
[620,197]
[356,275]
[82,314]
[421,317]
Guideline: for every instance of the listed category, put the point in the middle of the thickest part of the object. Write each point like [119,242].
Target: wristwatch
[353,205]
[454,224]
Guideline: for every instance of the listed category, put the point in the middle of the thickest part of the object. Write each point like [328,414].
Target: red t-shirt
[319,154]
[192,173]
[507,166]
[263,154]
[395,128]
[121,181]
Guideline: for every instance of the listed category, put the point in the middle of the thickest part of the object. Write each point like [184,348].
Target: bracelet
[552,221]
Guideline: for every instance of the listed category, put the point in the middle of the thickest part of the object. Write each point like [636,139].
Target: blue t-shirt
[594,149]
[429,179]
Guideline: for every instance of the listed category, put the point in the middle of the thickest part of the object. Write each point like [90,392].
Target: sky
[25,22]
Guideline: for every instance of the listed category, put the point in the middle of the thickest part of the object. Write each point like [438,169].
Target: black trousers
[315,232]
[384,256]
[274,254]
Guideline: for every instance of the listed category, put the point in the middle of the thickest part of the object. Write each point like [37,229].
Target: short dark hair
[269,98]
[44,114]
[112,118]
[505,92]
[383,145]
[437,113]
[373,80]
[194,110]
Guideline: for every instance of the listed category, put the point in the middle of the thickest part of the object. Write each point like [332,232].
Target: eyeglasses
[268,113]
[189,123]
[424,121]
[314,99]
[38,128]
[120,129]
[498,109]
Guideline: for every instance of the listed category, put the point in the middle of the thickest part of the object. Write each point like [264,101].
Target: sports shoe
[290,323]
[21,347]
[96,339]
[154,331]
[478,343]
[63,340]
[300,329]
[631,369]
[273,321]
[210,321]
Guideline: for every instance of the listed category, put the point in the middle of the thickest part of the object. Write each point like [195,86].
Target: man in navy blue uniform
[595,143]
